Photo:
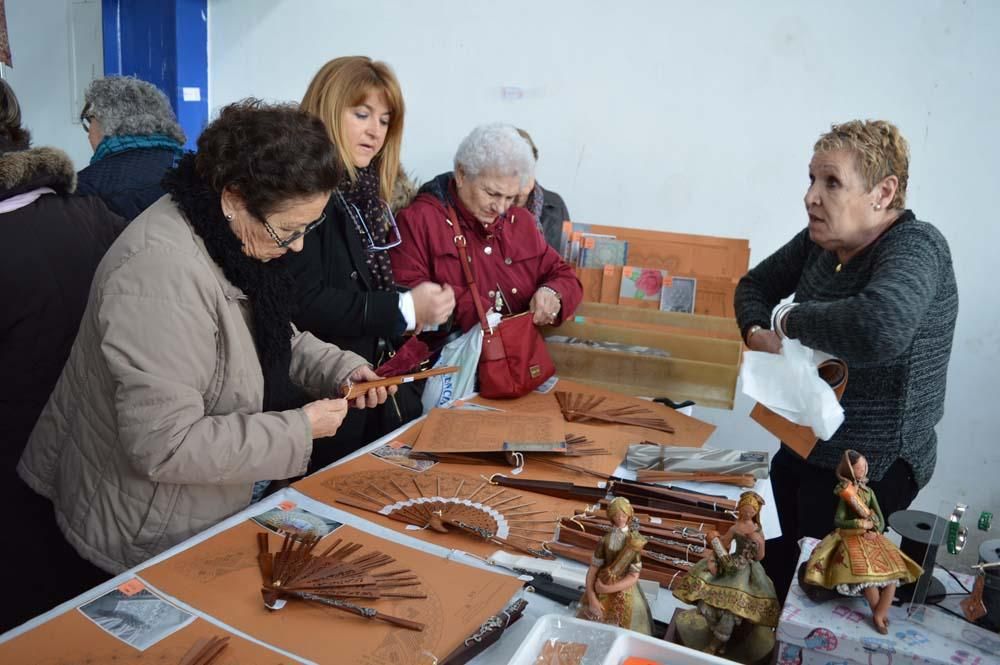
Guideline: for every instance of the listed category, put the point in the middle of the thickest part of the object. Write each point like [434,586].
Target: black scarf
[364,194]
[268,286]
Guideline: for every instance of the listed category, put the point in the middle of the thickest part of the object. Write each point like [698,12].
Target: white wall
[694,117]
[47,80]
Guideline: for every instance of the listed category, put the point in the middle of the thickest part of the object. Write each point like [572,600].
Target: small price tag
[588,242]
[627,271]
[132,587]
[668,280]
[609,269]
[655,520]
[286,505]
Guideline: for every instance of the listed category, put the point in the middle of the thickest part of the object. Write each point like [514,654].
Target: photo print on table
[135,615]
[398,453]
[288,518]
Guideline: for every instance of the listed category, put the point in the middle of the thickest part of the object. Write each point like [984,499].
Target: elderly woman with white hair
[135,137]
[514,268]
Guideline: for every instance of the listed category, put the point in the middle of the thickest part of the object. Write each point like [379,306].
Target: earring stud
[877,206]
[229,216]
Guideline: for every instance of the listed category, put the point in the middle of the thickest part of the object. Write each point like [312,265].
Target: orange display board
[73,639]
[220,576]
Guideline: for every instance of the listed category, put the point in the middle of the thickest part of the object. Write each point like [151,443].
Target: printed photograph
[398,453]
[136,616]
[296,521]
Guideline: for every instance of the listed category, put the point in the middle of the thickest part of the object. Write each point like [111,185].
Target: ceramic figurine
[856,559]
[730,590]
[612,593]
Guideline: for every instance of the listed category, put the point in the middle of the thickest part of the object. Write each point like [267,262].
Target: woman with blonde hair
[346,291]
[874,286]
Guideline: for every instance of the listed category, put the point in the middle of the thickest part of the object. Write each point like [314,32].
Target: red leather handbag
[513,360]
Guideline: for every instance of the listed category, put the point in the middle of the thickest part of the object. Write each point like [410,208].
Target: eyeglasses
[283,244]
[396,239]
[85,118]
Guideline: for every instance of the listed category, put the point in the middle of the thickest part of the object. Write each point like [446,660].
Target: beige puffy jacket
[155,431]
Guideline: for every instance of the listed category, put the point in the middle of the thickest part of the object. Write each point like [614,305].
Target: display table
[840,631]
[66,634]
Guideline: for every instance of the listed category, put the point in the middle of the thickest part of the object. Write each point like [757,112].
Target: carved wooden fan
[582,408]
[501,517]
[335,577]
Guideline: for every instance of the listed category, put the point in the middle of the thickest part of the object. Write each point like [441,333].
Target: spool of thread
[989,552]
[922,534]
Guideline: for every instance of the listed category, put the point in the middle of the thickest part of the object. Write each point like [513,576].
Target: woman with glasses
[135,137]
[515,270]
[181,394]
[347,292]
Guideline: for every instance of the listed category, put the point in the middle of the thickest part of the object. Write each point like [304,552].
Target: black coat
[338,303]
[54,245]
[128,182]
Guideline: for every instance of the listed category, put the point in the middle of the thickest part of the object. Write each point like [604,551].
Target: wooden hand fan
[500,517]
[334,577]
[582,408]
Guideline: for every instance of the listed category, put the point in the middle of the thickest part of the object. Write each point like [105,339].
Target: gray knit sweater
[890,314]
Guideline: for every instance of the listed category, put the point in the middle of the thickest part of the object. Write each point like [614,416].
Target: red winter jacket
[519,261]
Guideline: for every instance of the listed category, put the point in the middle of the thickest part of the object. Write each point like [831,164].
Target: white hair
[496,149]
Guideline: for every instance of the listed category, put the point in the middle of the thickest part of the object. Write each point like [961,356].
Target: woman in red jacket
[515,270]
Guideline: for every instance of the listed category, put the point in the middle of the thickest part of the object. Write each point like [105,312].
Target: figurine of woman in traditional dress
[612,594]
[731,588]
[856,558]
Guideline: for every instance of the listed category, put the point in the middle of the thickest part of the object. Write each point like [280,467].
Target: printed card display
[677,294]
[641,287]
[135,615]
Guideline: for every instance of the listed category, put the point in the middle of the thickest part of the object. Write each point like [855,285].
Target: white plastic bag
[789,384]
[442,390]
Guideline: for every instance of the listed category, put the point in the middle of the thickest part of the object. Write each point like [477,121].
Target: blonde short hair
[620,505]
[345,82]
[879,149]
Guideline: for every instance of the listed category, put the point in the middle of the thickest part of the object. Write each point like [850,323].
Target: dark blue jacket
[128,182]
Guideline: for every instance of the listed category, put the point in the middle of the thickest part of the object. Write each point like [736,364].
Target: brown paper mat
[220,577]
[327,486]
[73,639]
[688,431]
[464,431]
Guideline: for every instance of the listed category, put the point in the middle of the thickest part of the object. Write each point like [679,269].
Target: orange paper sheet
[469,431]
[688,431]
[361,473]
[220,576]
[73,639]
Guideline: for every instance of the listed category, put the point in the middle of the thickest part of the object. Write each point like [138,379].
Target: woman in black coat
[346,291]
[55,242]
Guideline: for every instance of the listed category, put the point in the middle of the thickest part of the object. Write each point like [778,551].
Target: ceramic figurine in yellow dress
[856,558]
[730,589]
[612,594]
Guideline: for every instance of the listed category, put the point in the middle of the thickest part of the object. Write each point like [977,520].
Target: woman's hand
[545,306]
[374,396]
[867,524]
[601,587]
[325,416]
[766,341]
[432,304]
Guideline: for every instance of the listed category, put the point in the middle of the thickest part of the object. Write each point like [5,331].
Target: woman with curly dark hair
[179,397]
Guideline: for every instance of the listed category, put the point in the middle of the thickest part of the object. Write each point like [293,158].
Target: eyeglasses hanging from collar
[392,237]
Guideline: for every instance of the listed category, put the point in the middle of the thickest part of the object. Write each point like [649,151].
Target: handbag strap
[460,244]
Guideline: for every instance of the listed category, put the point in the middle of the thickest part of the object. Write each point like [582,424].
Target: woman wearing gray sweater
[874,286]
